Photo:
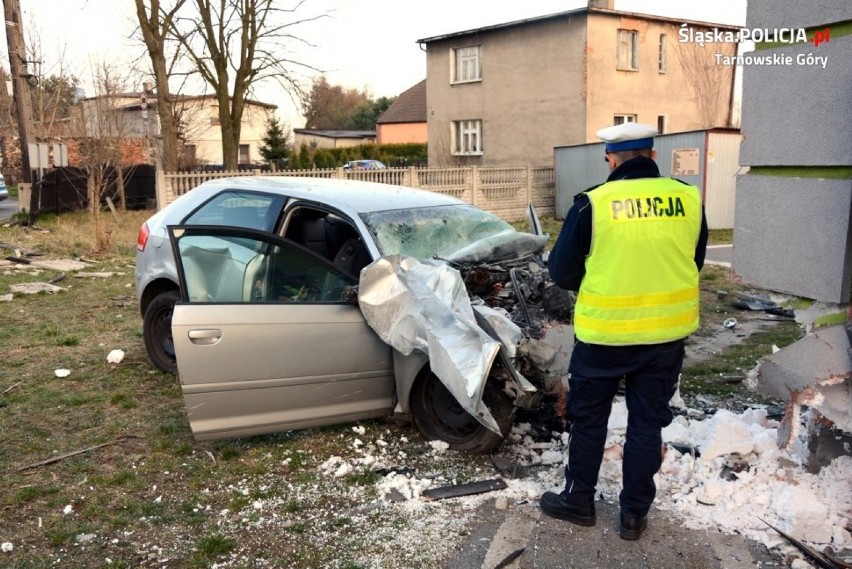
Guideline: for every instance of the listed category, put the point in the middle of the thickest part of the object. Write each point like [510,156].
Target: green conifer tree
[276,146]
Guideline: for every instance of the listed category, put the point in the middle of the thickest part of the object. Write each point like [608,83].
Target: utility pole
[21,90]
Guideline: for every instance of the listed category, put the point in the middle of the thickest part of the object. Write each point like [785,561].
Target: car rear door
[265,341]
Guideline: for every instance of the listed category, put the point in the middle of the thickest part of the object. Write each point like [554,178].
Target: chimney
[602,4]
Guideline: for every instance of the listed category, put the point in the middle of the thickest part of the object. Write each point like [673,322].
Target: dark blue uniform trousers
[651,373]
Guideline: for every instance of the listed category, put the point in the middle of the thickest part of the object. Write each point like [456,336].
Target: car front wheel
[157,325]
[438,416]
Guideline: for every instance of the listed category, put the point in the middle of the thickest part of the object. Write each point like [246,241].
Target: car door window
[253,210]
[229,265]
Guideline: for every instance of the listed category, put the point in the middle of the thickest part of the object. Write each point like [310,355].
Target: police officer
[632,247]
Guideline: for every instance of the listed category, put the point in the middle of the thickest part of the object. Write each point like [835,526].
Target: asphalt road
[547,543]
[719,255]
[8,208]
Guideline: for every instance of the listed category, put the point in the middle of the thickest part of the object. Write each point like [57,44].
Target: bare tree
[329,106]
[710,83]
[188,111]
[104,128]
[155,23]
[236,44]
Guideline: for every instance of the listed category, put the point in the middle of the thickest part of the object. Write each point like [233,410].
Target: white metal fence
[503,191]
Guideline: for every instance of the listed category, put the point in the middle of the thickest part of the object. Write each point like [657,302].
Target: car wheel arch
[406,369]
[154,289]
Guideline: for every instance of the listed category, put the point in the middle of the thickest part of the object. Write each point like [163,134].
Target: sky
[364,44]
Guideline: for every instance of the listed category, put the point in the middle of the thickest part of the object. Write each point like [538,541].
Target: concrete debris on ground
[35,288]
[733,478]
[115,356]
[60,265]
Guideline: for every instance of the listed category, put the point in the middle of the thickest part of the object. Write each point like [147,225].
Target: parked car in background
[4,192]
[248,288]
[364,165]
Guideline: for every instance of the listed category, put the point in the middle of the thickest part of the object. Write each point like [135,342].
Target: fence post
[256,172]
[474,183]
[412,177]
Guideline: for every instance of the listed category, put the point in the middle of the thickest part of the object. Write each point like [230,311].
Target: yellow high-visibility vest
[641,282]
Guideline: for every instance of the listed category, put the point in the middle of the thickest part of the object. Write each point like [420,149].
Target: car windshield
[453,232]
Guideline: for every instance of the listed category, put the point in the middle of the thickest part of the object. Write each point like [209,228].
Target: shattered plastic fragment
[115,356]
[62,372]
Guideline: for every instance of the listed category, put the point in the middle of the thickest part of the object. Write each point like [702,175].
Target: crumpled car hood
[501,247]
[423,305]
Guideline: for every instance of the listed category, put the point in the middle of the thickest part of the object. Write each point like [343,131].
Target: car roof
[353,196]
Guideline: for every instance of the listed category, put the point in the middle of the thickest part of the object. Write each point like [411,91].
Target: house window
[467,64]
[621,119]
[245,157]
[661,60]
[467,137]
[661,124]
[628,50]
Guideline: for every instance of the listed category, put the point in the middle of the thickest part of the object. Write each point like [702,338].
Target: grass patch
[831,319]
[221,502]
[31,493]
[365,478]
[215,545]
[720,236]
[717,376]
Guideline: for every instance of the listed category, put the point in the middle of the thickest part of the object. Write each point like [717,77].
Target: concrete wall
[793,210]
[530,98]
[648,92]
[792,235]
[328,141]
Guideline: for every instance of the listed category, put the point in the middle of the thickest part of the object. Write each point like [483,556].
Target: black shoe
[555,506]
[632,527]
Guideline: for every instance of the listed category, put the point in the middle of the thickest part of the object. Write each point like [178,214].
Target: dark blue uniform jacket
[567,260]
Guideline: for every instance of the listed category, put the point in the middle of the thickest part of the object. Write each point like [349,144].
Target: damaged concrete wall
[814,372]
[800,156]
[793,213]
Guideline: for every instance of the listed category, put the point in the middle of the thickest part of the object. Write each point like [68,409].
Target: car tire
[157,326]
[437,415]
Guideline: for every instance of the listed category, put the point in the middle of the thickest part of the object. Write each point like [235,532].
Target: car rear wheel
[157,325]
[439,416]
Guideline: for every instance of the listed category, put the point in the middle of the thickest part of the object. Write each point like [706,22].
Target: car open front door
[264,342]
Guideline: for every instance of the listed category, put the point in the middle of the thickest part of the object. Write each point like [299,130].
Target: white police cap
[627,136]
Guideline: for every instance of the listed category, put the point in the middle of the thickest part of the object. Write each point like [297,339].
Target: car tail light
[142,238]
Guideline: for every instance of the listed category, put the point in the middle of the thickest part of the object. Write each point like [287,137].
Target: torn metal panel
[816,372]
[422,305]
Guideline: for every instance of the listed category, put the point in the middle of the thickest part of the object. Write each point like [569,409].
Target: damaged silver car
[298,302]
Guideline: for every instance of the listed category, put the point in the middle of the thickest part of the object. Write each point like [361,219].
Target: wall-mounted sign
[685,162]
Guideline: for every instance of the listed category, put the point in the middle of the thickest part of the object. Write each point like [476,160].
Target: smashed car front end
[471,292]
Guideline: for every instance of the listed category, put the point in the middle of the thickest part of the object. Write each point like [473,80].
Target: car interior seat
[352,257]
[307,229]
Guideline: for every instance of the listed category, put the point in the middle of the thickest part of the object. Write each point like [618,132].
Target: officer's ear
[654,155]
